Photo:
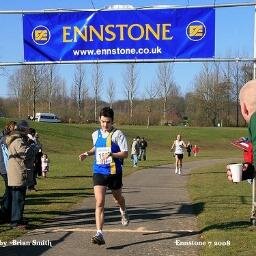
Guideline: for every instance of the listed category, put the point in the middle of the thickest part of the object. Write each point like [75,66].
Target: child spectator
[195,150]
[45,165]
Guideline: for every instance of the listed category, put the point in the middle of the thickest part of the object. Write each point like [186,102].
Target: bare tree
[97,80]
[80,88]
[111,92]
[62,102]
[26,83]
[16,84]
[165,84]
[51,83]
[151,93]
[130,85]
[237,87]
[211,91]
[35,79]
[227,79]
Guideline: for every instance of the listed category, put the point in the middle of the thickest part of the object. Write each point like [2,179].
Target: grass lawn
[225,210]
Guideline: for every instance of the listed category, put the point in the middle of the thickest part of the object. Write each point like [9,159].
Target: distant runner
[179,146]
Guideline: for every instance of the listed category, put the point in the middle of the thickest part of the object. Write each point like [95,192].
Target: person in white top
[178,146]
[45,165]
[109,149]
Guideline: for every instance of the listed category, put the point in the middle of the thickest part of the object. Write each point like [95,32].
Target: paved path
[161,220]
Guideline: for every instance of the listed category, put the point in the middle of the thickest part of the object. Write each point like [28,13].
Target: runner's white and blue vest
[102,148]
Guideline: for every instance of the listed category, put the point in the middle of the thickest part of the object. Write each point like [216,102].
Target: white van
[47,117]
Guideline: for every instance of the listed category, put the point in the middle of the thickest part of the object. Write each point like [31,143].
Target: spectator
[195,150]
[135,149]
[39,154]
[31,172]
[5,210]
[189,148]
[45,165]
[247,97]
[143,149]
[21,155]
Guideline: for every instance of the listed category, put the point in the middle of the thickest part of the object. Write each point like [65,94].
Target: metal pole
[253,214]
[6,64]
[254,44]
[135,8]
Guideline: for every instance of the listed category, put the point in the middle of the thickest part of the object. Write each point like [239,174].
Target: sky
[234,38]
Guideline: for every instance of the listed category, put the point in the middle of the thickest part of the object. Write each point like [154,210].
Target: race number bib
[102,155]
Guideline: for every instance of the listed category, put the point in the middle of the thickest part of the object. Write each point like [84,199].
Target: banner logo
[41,35]
[196,30]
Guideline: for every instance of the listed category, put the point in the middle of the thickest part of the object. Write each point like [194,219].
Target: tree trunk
[164,110]
[95,110]
[19,108]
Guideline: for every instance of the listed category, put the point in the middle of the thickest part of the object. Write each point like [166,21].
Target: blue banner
[112,35]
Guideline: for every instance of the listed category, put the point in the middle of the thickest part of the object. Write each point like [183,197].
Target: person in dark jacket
[33,169]
[143,149]
[189,148]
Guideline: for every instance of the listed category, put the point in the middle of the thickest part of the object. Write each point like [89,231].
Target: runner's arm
[91,152]
[121,154]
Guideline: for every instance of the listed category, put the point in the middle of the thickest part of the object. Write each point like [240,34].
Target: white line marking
[138,230]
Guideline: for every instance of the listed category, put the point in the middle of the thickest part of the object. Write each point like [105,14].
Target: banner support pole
[254,44]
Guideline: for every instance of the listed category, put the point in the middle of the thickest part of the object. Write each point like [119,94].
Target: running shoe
[98,239]
[124,219]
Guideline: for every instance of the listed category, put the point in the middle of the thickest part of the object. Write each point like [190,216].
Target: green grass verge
[224,210]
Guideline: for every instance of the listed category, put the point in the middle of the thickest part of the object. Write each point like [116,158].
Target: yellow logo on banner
[41,35]
[196,30]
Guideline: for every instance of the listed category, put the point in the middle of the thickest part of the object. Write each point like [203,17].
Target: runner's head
[106,118]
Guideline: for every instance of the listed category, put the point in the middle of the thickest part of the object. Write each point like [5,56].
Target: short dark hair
[22,125]
[31,131]
[107,112]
